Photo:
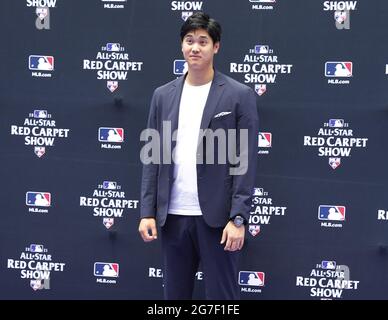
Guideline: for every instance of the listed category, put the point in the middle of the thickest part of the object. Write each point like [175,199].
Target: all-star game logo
[341,12]
[114,4]
[42,11]
[36,264]
[262,4]
[328,280]
[108,202]
[40,131]
[263,209]
[186,8]
[112,64]
[260,68]
[335,141]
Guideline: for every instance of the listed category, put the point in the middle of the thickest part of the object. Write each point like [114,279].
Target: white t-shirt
[184,191]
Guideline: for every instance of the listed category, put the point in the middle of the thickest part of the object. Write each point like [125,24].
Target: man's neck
[199,78]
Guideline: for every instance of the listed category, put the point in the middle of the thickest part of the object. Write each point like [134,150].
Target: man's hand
[234,237]
[147,226]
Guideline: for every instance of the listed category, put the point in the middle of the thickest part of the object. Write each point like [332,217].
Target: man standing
[201,205]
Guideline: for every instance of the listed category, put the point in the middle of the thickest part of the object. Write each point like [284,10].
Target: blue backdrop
[76,83]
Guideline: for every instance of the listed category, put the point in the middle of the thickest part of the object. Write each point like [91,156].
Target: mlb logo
[261,49]
[38,199]
[36,248]
[333,213]
[180,67]
[186,14]
[260,89]
[258,192]
[262,1]
[331,265]
[108,222]
[40,114]
[42,13]
[251,278]
[40,151]
[339,69]
[113,47]
[109,185]
[334,162]
[106,269]
[340,16]
[336,123]
[44,63]
[111,134]
[36,284]
[265,140]
[254,229]
[112,85]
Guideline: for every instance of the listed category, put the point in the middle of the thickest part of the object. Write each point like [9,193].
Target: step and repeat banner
[76,82]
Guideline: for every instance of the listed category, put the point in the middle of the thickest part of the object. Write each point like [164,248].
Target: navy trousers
[187,241]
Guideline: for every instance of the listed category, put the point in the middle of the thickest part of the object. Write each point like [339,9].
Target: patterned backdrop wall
[76,82]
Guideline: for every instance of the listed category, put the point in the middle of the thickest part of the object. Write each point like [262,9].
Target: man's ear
[216,47]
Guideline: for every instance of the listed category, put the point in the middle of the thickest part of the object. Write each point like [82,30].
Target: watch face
[238,221]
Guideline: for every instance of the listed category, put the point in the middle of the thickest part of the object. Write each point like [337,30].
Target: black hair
[201,20]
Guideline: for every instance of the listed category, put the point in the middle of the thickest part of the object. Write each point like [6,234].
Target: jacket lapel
[173,116]
[215,93]
[216,90]
[175,94]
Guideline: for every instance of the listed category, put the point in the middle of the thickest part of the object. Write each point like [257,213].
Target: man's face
[198,49]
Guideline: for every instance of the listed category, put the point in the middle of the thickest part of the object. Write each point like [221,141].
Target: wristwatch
[238,221]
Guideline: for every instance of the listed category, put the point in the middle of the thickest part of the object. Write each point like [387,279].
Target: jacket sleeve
[149,182]
[243,182]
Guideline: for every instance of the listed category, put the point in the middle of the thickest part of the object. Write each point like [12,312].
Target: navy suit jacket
[221,195]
